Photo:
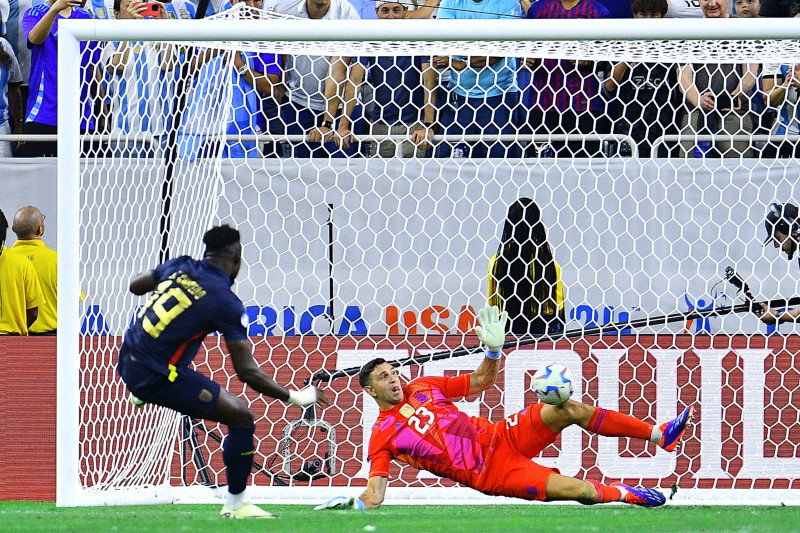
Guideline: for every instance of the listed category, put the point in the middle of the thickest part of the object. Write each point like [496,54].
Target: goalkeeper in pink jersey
[419,425]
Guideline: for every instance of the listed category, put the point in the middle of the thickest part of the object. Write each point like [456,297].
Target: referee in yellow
[29,227]
[20,293]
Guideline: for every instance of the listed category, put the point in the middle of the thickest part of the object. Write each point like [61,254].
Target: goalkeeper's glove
[492,331]
[303,397]
[341,502]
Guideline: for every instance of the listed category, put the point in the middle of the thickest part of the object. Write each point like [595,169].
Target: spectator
[619,9]
[415,9]
[418,10]
[763,116]
[16,37]
[717,98]
[254,78]
[10,96]
[141,86]
[684,9]
[396,84]
[781,88]
[176,9]
[777,8]
[642,96]
[564,96]
[484,97]
[747,8]
[29,227]
[524,279]
[20,293]
[40,25]
[5,11]
[364,8]
[305,110]
[214,6]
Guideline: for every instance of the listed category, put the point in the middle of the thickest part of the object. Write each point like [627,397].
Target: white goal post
[633,237]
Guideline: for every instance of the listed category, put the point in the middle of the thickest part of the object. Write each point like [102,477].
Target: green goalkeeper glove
[341,502]
[492,331]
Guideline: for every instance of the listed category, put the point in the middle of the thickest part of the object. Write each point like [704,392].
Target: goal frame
[71,32]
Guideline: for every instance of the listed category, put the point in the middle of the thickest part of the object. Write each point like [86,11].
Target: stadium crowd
[347,106]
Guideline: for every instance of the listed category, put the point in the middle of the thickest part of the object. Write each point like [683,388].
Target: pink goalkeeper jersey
[428,432]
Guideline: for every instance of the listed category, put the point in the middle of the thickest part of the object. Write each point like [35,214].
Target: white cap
[378,3]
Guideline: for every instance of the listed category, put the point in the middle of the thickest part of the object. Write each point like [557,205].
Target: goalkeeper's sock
[237,452]
[614,424]
[606,493]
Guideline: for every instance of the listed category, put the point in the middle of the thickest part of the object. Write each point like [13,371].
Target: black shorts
[191,393]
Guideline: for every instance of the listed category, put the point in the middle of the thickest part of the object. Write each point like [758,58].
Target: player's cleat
[641,496]
[247,510]
[672,431]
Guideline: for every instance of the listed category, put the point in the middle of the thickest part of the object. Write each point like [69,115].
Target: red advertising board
[746,390]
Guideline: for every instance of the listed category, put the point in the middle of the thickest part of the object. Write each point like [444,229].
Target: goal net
[382,248]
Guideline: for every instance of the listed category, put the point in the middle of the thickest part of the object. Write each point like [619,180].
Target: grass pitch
[45,517]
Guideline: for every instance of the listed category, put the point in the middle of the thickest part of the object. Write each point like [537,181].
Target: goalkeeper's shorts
[509,470]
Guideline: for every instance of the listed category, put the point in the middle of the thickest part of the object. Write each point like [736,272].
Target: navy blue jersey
[192,299]
[397,85]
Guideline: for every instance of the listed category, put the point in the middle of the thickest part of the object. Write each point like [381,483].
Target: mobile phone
[151,9]
[724,101]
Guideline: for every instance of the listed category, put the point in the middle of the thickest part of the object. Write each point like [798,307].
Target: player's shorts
[191,394]
[509,470]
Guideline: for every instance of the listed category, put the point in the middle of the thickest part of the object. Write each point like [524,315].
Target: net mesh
[362,253]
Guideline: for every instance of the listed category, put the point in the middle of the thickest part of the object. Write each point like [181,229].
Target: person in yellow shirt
[20,293]
[524,279]
[29,226]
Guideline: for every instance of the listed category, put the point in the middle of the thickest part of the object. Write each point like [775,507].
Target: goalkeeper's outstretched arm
[492,333]
[376,490]
[372,498]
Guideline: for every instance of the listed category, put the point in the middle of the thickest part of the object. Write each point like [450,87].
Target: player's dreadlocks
[525,271]
[219,239]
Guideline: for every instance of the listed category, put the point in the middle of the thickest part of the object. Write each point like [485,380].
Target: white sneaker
[247,510]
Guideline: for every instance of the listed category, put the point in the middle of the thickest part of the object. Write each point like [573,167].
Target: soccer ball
[553,384]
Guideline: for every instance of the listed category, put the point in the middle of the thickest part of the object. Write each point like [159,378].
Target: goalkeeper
[190,300]
[420,426]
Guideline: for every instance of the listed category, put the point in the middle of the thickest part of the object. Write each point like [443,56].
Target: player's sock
[237,452]
[606,493]
[656,435]
[614,424]
[235,501]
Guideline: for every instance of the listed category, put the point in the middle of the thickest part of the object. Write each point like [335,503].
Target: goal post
[346,259]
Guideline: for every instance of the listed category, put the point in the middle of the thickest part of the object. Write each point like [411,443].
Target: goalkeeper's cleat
[247,510]
[341,502]
[641,496]
[672,431]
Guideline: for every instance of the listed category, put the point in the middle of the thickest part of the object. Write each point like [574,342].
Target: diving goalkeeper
[419,425]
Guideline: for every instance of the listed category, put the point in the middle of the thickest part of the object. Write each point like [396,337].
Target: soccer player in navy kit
[190,300]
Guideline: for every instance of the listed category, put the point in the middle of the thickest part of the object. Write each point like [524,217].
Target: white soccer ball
[553,384]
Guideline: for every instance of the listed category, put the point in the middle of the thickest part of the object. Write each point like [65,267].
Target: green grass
[36,516]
